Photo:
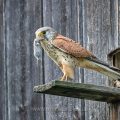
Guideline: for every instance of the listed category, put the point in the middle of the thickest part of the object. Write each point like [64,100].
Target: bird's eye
[44,32]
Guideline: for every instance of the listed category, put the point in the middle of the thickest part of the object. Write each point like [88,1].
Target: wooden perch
[80,90]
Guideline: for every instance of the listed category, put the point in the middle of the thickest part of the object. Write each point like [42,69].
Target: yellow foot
[64,78]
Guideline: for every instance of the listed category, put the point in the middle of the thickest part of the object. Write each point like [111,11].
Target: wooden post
[114,58]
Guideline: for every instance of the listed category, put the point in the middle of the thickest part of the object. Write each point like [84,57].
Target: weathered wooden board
[80,90]
[96,33]
[21,69]
[94,23]
[2,89]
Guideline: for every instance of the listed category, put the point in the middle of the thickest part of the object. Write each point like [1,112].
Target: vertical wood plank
[96,33]
[22,72]
[94,24]
[113,41]
[2,86]
[119,23]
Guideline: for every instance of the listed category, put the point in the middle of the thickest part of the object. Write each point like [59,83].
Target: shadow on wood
[80,90]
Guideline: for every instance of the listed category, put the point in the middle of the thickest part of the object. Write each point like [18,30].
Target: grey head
[43,33]
[47,33]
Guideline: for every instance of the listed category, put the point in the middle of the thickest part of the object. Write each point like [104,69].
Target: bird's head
[45,33]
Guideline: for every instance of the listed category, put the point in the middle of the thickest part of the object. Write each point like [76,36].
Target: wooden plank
[113,41]
[87,20]
[96,34]
[80,90]
[2,53]
[22,18]
[119,23]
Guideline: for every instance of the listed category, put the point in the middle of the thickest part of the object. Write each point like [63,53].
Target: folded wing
[71,47]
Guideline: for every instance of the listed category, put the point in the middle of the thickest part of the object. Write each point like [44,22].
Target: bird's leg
[63,77]
[66,77]
[61,67]
[68,72]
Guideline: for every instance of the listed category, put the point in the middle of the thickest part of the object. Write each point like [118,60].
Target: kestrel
[68,54]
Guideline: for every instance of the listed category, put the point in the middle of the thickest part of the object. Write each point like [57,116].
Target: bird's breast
[59,56]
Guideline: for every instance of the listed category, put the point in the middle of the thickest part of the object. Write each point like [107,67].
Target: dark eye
[44,32]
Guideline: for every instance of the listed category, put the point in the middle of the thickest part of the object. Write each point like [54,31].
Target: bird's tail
[103,68]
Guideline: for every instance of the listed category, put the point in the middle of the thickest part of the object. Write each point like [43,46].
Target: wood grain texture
[22,71]
[96,35]
[80,90]
[119,23]
[93,23]
[2,87]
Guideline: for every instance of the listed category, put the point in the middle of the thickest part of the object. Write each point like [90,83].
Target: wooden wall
[2,101]
[94,23]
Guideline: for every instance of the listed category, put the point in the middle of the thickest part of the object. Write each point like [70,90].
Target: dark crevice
[114,60]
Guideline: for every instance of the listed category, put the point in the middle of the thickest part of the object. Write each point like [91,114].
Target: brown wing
[71,47]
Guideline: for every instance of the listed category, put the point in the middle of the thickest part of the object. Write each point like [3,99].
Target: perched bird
[68,54]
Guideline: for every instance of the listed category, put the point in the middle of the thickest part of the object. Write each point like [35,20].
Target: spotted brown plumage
[68,54]
[71,47]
